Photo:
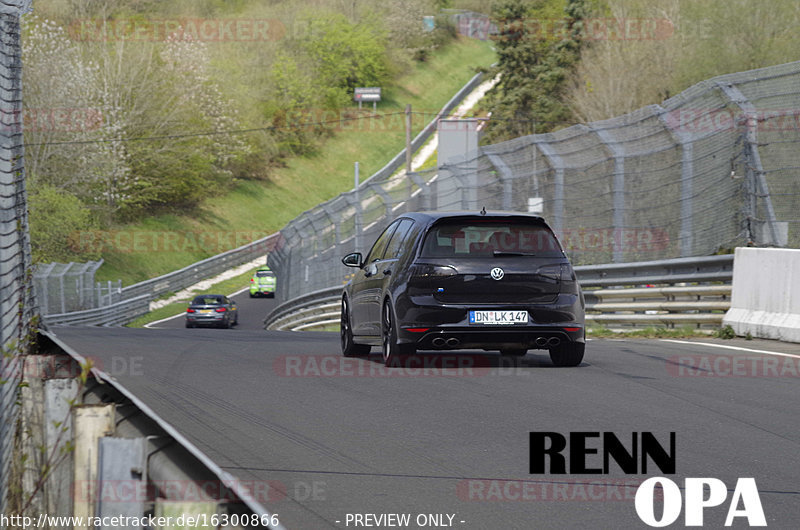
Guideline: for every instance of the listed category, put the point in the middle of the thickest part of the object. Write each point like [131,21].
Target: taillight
[190,310]
[417,330]
[220,310]
[252,280]
[559,272]
[572,330]
[424,271]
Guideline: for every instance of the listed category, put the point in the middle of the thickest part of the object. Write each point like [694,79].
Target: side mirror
[353,260]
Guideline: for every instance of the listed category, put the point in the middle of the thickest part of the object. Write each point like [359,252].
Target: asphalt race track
[334,436]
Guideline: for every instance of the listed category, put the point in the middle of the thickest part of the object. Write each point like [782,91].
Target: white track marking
[731,348]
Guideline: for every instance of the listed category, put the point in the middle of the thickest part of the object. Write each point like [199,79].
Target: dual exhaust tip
[440,342]
[452,342]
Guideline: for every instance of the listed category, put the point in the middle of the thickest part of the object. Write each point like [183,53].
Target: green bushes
[155,125]
[56,221]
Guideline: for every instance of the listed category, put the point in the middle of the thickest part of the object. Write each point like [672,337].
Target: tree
[132,90]
[537,51]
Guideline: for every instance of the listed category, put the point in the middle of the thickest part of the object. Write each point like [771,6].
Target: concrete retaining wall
[766,294]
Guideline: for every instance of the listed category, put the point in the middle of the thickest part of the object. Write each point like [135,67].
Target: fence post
[424,189]
[757,183]
[357,204]
[557,163]
[385,197]
[618,190]
[506,177]
[685,140]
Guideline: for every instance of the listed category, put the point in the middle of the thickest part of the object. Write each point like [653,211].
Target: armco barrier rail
[642,293]
[180,279]
[110,315]
[136,298]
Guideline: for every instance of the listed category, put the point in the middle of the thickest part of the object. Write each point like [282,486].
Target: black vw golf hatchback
[464,280]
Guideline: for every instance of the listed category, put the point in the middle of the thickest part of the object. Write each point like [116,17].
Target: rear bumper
[206,319]
[493,339]
[448,327]
[262,290]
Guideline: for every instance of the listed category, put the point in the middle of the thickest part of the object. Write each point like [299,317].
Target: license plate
[205,311]
[494,318]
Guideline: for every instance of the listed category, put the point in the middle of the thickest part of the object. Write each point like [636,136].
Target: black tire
[350,348]
[236,320]
[189,324]
[391,349]
[227,324]
[567,354]
[514,352]
[252,295]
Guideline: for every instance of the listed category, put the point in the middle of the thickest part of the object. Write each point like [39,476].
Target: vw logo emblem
[497,273]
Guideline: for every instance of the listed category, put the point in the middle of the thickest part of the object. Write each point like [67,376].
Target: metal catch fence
[712,168]
[67,287]
[16,299]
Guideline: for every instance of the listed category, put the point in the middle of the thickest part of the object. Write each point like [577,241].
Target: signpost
[367,94]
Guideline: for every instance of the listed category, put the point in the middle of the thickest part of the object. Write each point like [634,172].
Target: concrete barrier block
[765,300]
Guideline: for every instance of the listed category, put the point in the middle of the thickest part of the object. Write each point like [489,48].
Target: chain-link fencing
[16,302]
[67,287]
[712,168]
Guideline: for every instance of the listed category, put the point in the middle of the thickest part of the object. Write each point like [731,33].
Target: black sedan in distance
[212,310]
[464,280]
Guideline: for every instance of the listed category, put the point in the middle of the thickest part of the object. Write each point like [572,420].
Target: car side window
[410,240]
[393,250]
[380,245]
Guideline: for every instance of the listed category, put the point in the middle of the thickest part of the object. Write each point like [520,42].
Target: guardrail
[180,279]
[621,294]
[309,311]
[110,315]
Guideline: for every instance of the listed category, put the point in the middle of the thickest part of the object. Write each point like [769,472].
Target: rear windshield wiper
[511,253]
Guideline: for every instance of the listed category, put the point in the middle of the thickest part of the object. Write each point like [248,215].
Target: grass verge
[650,332]
[254,209]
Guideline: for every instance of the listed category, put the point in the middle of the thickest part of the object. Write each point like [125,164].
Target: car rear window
[207,300]
[488,238]
[264,274]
